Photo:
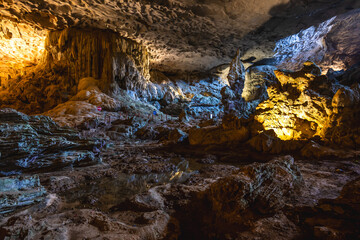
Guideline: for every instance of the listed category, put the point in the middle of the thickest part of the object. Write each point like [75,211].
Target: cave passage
[180,119]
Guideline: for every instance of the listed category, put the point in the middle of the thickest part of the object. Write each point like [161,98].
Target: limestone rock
[217,135]
[20,191]
[342,126]
[247,88]
[42,144]
[257,79]
[164,134]
[225,206]
[294,109]
[72,55]
[315,150]
[313,44]
[237,70]
[73,113]
[187,35]
[267,141]
[233,199]
[336,218]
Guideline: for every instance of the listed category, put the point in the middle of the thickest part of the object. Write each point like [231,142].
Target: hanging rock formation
[331,45]
[99,54]
[73,54]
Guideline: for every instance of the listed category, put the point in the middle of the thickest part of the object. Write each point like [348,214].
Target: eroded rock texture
[247,87]
[306,104]
[184,35]
[103,55]
[21,47]
[36,143]
[335,218]
[331,45]
[73,54]
[226,206]
[20,191]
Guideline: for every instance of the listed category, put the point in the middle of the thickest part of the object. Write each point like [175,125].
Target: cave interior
[180,119]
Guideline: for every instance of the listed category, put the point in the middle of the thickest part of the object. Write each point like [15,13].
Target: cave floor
[130,169]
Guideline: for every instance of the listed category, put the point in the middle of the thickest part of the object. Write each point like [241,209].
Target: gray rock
[20,191]
[29,143]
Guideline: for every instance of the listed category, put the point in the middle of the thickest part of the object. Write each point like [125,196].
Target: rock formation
[306,104]
[36,143]
[123,119]
[184,35]
[19,192]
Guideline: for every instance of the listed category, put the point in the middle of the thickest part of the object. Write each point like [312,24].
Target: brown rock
[217,135]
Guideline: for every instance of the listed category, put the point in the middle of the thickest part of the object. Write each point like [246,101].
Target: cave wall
[94,53]
[70,55]
[21,46]
[332,44]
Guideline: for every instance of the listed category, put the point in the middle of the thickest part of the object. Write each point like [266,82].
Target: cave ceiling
[187,35]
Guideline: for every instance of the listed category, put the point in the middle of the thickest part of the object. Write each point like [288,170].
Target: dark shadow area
[288,19]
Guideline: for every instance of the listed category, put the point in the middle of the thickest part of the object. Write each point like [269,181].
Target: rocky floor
[142,190]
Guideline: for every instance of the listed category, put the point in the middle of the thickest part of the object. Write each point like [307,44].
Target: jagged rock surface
[35,143]
[247,87]
[306,104]
[335,218]
[184,35]
[227,205]
[71,55]
[331,45]
[20,191]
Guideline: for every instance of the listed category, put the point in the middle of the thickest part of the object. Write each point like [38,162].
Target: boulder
[267,141]
[162,133]
[314,150]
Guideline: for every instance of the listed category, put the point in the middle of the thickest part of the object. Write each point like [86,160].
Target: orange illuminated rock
[295,110]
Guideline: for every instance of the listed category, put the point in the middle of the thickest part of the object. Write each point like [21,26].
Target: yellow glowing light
[21,45]
[282,126]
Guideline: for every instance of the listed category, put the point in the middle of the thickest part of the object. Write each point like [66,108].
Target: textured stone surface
[247,87]
[36,143]
[184,35]
[335,218]
[18,192]
[331,45]
[217,135]
[227,205]
[71,55]
[305,105]
[268,211]
[21,46]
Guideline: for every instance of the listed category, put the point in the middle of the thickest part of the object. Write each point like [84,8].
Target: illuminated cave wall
[95,53]
[21,47]
[63,57]
[306,104]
